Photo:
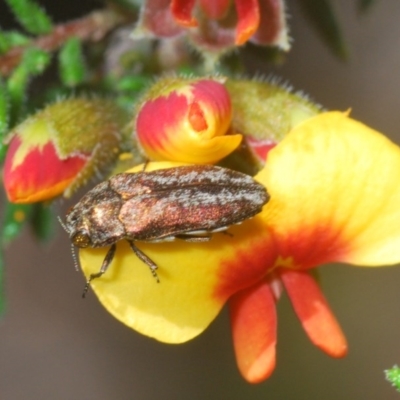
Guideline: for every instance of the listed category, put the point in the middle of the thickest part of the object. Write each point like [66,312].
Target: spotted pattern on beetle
[188,202]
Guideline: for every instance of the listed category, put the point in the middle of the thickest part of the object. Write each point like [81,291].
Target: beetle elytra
[187,202]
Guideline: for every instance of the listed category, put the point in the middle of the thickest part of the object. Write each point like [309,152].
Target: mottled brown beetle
[188,202]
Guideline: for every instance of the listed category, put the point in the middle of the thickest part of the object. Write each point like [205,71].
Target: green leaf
[34,62]
[71,63]
[322,17]
[42,221]
[31,16]
[16,86]
[129,88]
[132,84]
[14,220]
[4,110]
[4,118]
[11,39]
[393,376]
[4,45]
[3,152]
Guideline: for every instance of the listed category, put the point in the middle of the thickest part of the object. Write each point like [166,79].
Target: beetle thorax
[93,222]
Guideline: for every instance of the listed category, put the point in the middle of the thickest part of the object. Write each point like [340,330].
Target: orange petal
[248,12]
[254,329]
[314,313]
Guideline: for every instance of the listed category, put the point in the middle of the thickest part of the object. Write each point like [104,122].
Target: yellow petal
[168,310]
[185,301]
[335,194]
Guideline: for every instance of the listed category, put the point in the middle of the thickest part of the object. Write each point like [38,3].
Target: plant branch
[92,27]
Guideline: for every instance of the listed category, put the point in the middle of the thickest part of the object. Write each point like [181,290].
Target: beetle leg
[145,164]
[106,263]
[147,260]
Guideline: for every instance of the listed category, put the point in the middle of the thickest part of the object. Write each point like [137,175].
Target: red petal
[254,325]
[314,313]
[182,12]
[248,12]
[272,21]
[260,147]
[41,175]
[171,111]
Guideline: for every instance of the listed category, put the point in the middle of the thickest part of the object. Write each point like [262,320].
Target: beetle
[187,202]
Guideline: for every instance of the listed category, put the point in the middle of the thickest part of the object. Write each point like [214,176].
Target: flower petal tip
[314,312]
[37,173]
[261,368]
[254,327]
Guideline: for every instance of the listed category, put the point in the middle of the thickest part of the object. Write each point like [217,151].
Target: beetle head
[81,238]
[77,228]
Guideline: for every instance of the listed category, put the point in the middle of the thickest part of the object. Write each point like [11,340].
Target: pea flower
[186,120]
[60,147]
[216,25]
[335,195]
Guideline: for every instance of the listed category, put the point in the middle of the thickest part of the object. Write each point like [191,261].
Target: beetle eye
[81,239]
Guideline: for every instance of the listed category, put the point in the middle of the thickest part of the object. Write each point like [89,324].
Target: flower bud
[59,148]
[186,120]
[265,113]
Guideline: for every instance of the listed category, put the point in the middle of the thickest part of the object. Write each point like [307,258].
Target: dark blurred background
[53,345]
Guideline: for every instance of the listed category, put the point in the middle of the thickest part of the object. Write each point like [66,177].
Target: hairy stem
[92,27]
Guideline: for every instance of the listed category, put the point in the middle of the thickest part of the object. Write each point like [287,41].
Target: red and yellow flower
[187,120]
[335,195]
[59,148]
[216,25]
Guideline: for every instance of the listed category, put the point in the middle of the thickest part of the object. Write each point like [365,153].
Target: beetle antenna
[62,224]
[76,264]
